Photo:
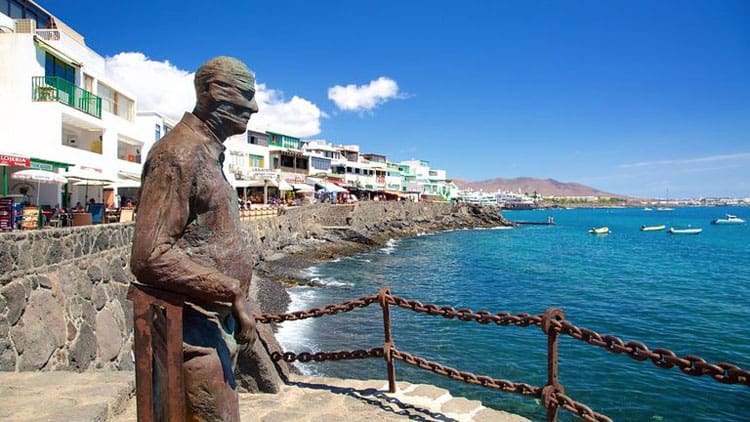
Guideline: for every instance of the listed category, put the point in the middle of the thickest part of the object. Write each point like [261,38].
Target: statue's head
[225,92]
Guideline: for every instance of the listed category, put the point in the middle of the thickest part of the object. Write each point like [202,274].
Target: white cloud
[364,97]
[296,117]
[161,86]
[157,86]
[710,158]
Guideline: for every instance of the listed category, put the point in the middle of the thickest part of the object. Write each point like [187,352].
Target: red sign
[14,160]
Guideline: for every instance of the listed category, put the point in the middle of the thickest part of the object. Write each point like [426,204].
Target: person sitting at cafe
[78,207]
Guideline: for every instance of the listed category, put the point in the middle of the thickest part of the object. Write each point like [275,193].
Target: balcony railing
[53,88]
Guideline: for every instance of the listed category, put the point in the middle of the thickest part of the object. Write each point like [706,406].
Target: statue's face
[235,102]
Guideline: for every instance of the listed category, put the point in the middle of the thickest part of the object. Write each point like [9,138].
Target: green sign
[42,166]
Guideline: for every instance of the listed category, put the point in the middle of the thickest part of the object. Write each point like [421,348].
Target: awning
[248,183]
[49,165]
[124,175]
[301,187]
[87,173]
[284,185]
[56,52]
[330,187]
[124,183]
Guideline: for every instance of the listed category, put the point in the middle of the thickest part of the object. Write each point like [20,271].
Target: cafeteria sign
[14,160]
[42,166]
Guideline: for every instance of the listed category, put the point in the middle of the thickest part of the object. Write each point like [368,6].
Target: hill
[530,185]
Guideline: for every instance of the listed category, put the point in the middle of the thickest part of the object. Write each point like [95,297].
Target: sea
[686,293]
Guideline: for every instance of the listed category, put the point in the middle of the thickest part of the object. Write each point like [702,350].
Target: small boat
[665,209]
[653,228]
[673,230]
[648,209]
[599,230]
[729,219]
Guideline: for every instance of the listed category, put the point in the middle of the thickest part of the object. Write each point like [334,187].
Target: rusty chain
[689,364]
[324,356]
[726,373]
[465,314]
[580,409]
[362,302]
[467,377]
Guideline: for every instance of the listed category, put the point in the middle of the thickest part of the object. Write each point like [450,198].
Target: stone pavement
[108,396]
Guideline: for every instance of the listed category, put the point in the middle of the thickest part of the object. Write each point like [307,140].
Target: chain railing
[552,395]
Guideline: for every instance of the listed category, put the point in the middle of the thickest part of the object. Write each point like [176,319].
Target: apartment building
[59,111]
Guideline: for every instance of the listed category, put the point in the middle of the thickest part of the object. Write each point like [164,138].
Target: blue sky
[629,97]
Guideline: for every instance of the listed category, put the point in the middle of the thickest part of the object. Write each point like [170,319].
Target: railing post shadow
[145,299]
[388,346]
[549,399]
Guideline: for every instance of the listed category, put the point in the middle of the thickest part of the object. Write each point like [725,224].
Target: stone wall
[62,299]
[63,291]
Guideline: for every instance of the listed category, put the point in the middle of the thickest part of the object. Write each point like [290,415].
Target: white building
[58,109]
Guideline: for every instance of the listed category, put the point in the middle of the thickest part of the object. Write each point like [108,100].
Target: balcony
[53,88]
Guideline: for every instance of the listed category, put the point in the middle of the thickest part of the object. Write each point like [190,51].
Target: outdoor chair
[97,212]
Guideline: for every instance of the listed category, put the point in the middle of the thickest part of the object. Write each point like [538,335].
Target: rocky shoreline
[284,268]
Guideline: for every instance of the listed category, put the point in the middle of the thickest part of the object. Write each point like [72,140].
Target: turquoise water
[685,293]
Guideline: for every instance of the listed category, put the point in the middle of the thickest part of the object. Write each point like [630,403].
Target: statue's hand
[245,332]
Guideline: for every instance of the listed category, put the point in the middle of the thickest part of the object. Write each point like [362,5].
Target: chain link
[362,302]
[577,408]
[723,372]
[467,377]
[324,356]
[465,314]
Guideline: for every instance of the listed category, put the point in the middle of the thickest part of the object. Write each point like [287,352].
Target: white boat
[665,209]
[673,230]
[648,209]
[599,230]
[729,219]
[653,228]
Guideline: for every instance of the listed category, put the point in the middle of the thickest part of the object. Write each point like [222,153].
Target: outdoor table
[81,219]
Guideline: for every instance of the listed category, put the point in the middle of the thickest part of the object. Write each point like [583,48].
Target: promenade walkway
[108,396]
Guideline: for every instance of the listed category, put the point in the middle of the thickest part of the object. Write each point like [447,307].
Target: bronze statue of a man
[188,240]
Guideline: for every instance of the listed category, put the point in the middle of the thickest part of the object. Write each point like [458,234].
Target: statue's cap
[226,69]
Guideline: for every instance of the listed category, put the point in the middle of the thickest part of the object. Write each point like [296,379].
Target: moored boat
[729,219]
[599,230]
[688,230]
[652,228]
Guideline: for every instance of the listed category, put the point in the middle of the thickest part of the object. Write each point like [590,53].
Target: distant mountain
[530,185]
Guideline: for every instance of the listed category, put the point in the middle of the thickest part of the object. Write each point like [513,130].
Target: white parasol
[39,176]
[87,177]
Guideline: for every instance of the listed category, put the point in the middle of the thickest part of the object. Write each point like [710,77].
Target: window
[157,132]
[320,163]
[167,129]
[18,9]
[116,103]
[287,161]
[302,163]
[255,161]
[56,67]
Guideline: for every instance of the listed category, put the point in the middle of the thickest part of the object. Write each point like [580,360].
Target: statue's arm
[163,213]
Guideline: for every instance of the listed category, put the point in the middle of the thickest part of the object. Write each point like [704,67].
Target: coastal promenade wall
[63,291]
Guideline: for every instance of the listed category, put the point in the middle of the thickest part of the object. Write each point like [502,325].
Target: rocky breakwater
[332,231]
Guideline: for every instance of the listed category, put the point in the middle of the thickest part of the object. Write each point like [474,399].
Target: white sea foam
[333,282]
[311,271]
[293,335]
[390,246]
